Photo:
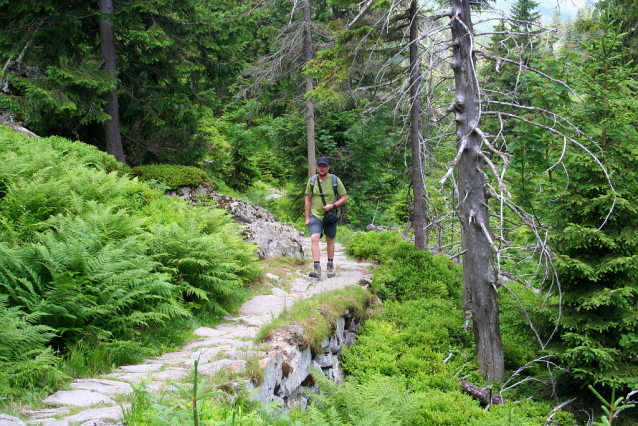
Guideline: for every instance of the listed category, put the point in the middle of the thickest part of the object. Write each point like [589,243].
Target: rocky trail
[222,349]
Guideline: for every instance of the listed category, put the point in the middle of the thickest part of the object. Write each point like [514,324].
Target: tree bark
[112,134]
[310,106]
[480,296]
[416,129]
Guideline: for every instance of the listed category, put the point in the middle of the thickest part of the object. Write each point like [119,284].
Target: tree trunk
[112,133]
[416,129]
[310,106]
[480,296]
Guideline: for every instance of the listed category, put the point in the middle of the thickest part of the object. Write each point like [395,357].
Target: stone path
[224,348]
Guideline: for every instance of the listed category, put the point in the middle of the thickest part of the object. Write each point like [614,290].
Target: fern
[379,401]
[24,358]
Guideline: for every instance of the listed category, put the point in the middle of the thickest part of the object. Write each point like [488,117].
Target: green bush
[24,357]
[96,257]
[412,340]
[407,273]
[173,176]
[368,245]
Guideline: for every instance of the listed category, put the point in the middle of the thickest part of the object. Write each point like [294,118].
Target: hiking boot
[316,273]
[331,270]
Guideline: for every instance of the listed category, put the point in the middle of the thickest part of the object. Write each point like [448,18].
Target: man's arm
[308,206]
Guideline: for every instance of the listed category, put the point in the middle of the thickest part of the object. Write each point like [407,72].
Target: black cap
[323,160]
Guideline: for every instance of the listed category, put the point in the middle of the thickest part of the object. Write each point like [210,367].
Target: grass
[318,314]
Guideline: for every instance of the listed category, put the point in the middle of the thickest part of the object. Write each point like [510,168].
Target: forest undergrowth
[99,269]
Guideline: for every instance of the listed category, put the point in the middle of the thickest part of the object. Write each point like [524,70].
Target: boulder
[240,210]
[274,239]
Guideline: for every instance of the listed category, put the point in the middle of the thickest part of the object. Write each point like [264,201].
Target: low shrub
[24,355]
[412,340]
[171,175]
[407,273]
[368,245]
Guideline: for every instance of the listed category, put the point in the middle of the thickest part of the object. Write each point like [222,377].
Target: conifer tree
[597,240]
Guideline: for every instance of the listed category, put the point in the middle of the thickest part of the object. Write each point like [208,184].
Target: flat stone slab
[215,341]
[78,398]
[175,355]
[203,355]
[231,364]
[208,332]
[129,377]
[48,422]
[256,321]
[260,305]
[336,283]
[140,368]
[105,414]
[278,292]
[49,412]
[106,387]
[300,285]
[170,375]
[7,420]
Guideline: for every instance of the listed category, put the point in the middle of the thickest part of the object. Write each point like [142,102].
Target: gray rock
[175,355]
[208,332]
[141,368]
[324,360]
[78,398]
[170,375]
[270,305]
[49,412]
[278,292]
[110,414]
[240,210]
[203,355]
[49,422]
[106,387]
[234,365]
[273,276]
[7,420]
[274,239]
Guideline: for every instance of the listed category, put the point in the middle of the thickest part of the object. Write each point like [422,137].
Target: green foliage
[412,339]
[173,57]
[369,245]
[611,409]
[93,259]
[379,401]
[595,229]
[407,273]
[173,176]
[24,357]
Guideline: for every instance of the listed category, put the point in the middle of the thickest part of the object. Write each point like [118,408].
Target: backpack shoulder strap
[313,178]
[334,185]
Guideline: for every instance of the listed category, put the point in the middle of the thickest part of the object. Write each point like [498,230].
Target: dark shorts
[317,227]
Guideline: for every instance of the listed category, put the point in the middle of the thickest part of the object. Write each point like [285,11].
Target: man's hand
[328,207]
[308,222]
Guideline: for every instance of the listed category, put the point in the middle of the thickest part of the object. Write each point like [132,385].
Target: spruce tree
[597,226]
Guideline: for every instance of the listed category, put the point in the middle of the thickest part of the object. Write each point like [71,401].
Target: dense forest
[493,139]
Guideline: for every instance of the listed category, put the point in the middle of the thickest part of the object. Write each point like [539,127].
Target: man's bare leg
[316,254]
[331,247]
[316,268]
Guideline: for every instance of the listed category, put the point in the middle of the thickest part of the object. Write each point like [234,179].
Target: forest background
[250,92]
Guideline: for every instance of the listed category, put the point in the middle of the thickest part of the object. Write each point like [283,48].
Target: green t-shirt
[328,193]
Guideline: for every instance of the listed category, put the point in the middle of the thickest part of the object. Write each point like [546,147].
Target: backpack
[313,179]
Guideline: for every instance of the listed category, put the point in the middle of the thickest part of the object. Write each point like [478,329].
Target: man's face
[322,169]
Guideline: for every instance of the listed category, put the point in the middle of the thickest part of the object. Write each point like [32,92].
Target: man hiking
[324,193]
